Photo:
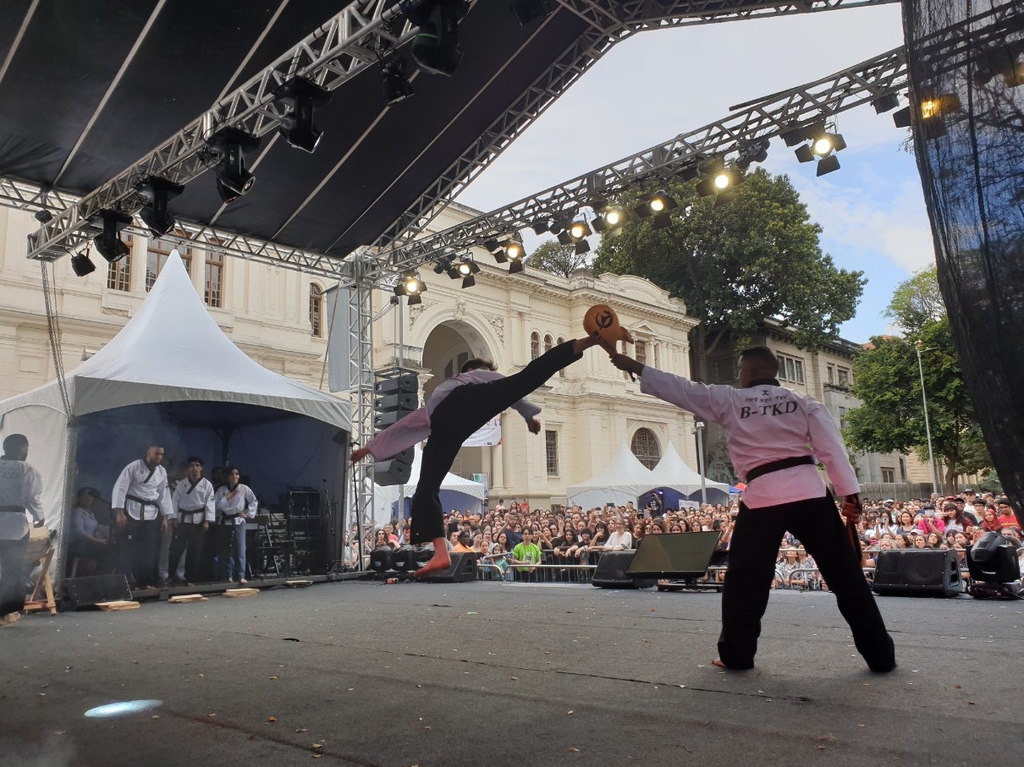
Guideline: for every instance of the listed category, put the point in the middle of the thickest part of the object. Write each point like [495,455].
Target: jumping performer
[457,408]
[775,437]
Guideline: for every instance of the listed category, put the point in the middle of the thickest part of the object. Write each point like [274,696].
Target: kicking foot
[440,561]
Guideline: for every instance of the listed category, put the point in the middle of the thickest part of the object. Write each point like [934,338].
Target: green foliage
[888,382]
[917,303]
[736,265]
[558,259]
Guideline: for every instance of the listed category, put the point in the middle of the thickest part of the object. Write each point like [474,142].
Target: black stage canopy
[89,87]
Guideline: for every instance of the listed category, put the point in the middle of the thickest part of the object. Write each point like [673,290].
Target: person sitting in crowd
[88,538]
[620,539]
[463,543]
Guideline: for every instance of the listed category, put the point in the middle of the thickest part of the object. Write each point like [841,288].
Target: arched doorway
[447,347]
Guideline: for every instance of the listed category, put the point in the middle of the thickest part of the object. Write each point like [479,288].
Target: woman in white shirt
[235,503]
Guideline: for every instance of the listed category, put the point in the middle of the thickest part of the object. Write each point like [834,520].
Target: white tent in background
[456,493]
[673,473]
[624,479]
[172,377]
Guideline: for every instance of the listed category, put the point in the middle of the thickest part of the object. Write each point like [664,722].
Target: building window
[548,343]
[119,274]
[888,474]
[551,452]
[842,418]
[645,447]
[844,377]
[791,369]
[831,374]
[561,371]
[213,294]
[157,253]
[316,310]
[534,345]
[640,351]
[903,469]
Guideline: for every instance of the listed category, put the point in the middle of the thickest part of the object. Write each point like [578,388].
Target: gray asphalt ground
[364,673]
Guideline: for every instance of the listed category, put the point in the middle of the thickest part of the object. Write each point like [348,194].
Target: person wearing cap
[88,538]
[776,437]
[969,497]
[930,522]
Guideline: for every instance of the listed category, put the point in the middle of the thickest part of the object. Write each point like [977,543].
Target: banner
[487,435]
[342,369]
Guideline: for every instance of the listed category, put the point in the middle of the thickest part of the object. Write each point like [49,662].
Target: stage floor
[363,673]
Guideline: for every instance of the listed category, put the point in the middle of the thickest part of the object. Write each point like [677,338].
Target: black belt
[13,509]
[779,465]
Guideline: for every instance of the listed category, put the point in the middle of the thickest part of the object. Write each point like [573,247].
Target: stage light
[301,96]
[394,81]
[579,230]
[526,11]
[515,267]
[233,179]
[540,226]
[582,247]
[902,118]
[464,268]
[608,218]
[885,103]
[159,191]
[436,47]
[514,250]
[443,265]
[656,203]
[827,165]
[82,265]
[492,246]
[108,242]
[804,153]
[751,152]
[564,238]
[43,216]
[412,286]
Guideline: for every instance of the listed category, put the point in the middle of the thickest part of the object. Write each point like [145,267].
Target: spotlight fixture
[43,216]
[82,265]
[159,191]
[608,218]
[582,247]
[465,268]
[822,147]
[515,267]
[526,11]
[412,286]
[443,265]
[394,80]
[656,204]
[301,96]
[516,253]
[540,226]
[492,246]
[579,229]
[751,152]
[885,103]
[564,238]
[436,47]
[718,179]
[901,119]
[233,179]
[108,242]
[827,165]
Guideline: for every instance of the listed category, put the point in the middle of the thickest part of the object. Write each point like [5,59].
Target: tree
[887,381]
[558,259]
[737,265]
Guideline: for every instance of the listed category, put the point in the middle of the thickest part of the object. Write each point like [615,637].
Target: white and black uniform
[193,504]
[775,438]
[21,490]
[143,494]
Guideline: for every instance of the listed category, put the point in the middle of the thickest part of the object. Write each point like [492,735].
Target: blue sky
[658,84]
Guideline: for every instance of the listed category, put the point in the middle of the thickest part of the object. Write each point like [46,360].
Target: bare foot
[718,662]
[440,561]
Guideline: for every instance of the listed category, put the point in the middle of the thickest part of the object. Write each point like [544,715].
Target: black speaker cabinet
[917,572]
[404,559]
[380,559]
[611,572]
[461,570]
[80,593]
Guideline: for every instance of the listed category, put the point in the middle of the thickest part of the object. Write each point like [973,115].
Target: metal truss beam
[611,22]
[723,140]
[361,342]
[331,55]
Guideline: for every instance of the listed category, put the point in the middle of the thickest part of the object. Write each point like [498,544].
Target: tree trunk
[699,353]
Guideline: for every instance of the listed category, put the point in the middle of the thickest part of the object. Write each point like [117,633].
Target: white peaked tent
[172,377]
[456,493]
[673,473]
[624,479]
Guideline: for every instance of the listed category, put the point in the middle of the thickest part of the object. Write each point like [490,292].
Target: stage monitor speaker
[675,555]
[461,570]
[917,572]
[993,559]
[611,572]
[80,593]
[404,560]
[381,559]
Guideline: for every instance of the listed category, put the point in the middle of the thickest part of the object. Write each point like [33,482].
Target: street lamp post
[698,429]
[927,426]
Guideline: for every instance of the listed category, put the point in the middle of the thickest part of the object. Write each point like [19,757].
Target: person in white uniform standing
[141,503]
[193,503]
[235,504]
[20,496]
[775,439]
